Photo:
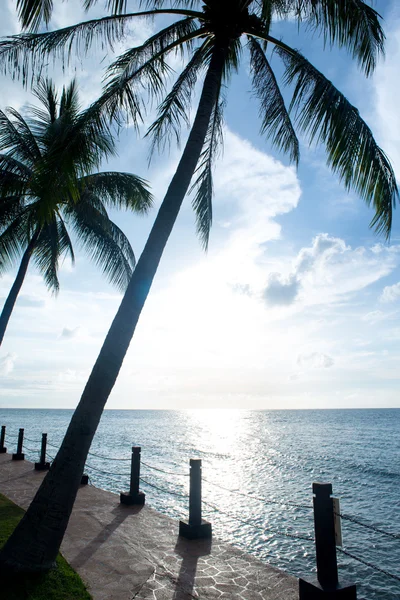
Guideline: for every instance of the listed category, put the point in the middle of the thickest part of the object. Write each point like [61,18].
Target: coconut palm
[213,35]
[48,186]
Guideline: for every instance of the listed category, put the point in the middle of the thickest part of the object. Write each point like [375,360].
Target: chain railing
[196,527]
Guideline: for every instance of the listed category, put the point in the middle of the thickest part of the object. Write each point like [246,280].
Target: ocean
[258,468]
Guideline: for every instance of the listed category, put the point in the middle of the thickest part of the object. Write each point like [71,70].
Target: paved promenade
[124,552]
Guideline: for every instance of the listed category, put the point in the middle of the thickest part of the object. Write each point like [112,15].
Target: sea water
[258,468]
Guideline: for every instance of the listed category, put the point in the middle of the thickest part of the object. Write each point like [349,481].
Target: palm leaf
[174,109]
[25,133]
[9,164]
[202,201]
[119,190]
[349,23]
[32,13]
[121,91]
[325,115]
[15,141]
[13,240]
[23,56]
[115,7]
[275,121]
[53,242]
[11,208]
[12,184]
[102,240]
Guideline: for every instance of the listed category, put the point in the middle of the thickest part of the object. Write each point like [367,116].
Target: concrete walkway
[127,552]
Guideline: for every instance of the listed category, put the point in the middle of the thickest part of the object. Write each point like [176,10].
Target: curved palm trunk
[36,541]
[13,295]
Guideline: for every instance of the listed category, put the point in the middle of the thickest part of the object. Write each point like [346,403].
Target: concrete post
[134,496]
[19,455]
[326,586]
[3,449]
[195,527]
[42,465]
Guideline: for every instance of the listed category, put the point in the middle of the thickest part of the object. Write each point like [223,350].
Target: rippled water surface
[274,455]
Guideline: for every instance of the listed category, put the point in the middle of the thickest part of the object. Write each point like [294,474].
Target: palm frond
[12,184]
[22,127]
[202,201]
[275,120]
[32,13]
[349,23]
[177,4]
[119,190]
[13,240]
[115,7]
[10,209]
[53,242]
[103,241]
[325,115]
[138,70]
[174,109]
[9,164]
[23,56]
[15,141]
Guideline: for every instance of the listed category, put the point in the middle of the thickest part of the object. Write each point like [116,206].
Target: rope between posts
[30,449]
[108,457]
[163,489]
[162,470]
[259,498]
[53,446]
[368,564]
[352,519]
[107,472]
[261,528]
[32,441]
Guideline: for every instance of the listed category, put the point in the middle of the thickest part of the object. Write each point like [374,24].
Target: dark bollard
[19,455]
[134,496]
[3,449]
[195,528]
[42,465]
[326,586]
[84,479]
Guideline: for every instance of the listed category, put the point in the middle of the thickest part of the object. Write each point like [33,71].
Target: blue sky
[295,305]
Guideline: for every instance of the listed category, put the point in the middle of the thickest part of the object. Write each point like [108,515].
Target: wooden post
[195,527]
[134,496]
[42,465]
[19,455]
[327,585]
[3,449]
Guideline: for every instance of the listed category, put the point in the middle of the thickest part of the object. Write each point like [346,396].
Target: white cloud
[68,334]
[331,271]
[279,291]
[315,360]
[323,249]
[7,363]
[391,293]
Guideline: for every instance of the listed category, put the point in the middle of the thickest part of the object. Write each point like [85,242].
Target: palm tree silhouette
[47,186]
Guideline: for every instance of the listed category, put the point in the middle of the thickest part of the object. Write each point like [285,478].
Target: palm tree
[47,185]
[214,36]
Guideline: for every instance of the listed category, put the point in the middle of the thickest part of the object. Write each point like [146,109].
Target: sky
[296,304]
